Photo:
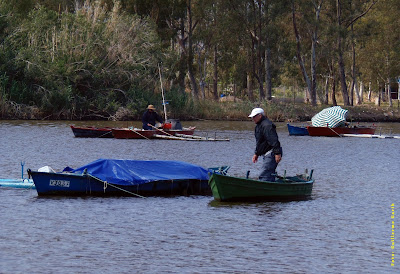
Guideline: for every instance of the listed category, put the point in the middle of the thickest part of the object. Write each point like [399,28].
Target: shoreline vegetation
[212,60]
[278,110]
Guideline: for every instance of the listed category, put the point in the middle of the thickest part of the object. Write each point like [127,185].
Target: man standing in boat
[150,117]
[267,144]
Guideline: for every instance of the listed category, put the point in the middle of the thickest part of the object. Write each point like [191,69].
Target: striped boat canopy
[330,117]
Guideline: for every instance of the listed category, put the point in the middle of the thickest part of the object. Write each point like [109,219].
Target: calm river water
[345,227]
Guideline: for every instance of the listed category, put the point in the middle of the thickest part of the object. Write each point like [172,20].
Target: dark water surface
[346,227]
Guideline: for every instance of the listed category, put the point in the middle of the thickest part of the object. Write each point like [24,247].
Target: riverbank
[301,112]
[277,110]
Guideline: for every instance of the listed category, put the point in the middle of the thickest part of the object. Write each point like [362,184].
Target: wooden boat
[297,131]
[339,131]
[92,132]
[132,133]
[17,183]
[108,177]
[227,188]
[135,133]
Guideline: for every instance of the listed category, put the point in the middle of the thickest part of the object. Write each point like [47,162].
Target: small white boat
[17,183]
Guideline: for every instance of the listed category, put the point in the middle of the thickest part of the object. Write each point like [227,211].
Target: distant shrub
[93,53]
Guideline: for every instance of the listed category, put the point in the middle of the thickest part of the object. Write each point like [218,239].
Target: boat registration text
[59,183]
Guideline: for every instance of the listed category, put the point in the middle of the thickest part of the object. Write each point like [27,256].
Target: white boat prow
[46,169]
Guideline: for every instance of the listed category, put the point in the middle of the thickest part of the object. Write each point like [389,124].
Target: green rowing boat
[228,188]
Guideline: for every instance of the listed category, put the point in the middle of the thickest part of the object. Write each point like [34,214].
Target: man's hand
[278,158]
[255,158]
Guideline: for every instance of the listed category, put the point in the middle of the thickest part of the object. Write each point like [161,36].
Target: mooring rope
[109,132]
[336,132]
[139,133]
[108,184]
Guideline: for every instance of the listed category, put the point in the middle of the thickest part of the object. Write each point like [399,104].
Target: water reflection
[342,228]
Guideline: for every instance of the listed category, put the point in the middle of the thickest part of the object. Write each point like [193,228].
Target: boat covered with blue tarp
[105,177]
[128,172]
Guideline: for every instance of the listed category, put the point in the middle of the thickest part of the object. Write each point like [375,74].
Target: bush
[93,55]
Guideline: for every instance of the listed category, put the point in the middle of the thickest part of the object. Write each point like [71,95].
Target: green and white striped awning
[330,117]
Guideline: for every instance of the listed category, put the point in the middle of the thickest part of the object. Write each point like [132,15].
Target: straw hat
[151,107]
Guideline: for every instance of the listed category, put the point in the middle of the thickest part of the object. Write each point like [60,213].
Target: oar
[163,136]
[162,131]
[199,138]
[139,133]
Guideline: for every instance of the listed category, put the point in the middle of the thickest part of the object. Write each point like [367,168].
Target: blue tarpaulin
[135,172]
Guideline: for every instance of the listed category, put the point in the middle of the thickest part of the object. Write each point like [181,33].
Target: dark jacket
[266,137]
[150,117]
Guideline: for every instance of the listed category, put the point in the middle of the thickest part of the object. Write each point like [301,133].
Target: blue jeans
[268,168]
[146,127]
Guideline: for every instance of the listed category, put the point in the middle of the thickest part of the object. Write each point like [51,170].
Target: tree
[379,46]
[311,21]
[90,55]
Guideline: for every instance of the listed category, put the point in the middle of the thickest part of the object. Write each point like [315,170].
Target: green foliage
[87,54]
[56,102]
[92,59]
[3,85]
[179,103]
[20,92]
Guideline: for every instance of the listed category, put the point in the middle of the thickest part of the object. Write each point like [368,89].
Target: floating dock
[372,136]
[184,137]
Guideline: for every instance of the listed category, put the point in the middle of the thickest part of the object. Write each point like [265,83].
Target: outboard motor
[175,123]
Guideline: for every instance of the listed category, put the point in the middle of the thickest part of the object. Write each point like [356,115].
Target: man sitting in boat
[150,117]
[267,144]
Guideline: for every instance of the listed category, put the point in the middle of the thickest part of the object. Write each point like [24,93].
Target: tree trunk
[260,72]
[389,93]
[182,58]
[369,91]
[298,52]
[268,78]
[398,92]
[357,93]
[383,93]
[334,90]
[215,75]
[259,54]
[351,99]
[342,76]
[250,87]
[192,79]
[267,62]
[202,71]
[313,72]
[379,96]
[326,97]
[342,73]
[353,67]
[314,39]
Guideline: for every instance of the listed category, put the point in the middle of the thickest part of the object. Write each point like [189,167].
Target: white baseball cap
[256,111]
